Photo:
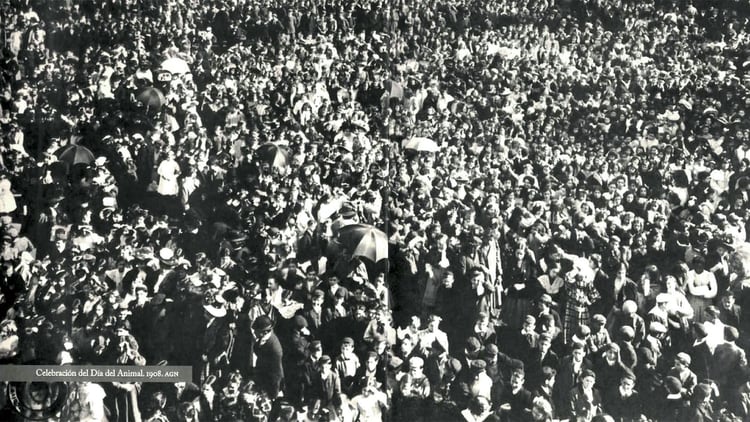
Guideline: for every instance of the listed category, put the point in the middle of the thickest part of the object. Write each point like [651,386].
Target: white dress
[168,172]
[7,200]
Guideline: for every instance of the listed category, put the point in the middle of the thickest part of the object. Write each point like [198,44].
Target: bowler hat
[262,323]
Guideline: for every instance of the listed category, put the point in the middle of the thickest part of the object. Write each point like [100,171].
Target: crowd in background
[378,210]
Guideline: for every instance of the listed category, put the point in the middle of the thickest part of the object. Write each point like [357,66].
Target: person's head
[549,375]
[415,322]
[448,280]
[318,297]
[262,328]
[371,362]
[272,283]
[595,261]
[598,322]
[479,405]
[662,301]
[545,302]
[360,311]
[578,352]
[622,270]
[529,323]
[406,346]
[727,300]
[517,378]
[701,394]
[627,383]
[433,322]
[588,379]
[629,307]
[325,364]
[416,365]
[316,350]
[380,345]
[612,352]
[347,346]
[141,294]
[670,282]
[380,279]
[682,361]
[545,341]
[477,278]
[541,410]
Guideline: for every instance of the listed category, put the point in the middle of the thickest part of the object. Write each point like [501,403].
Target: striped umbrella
[365,241]
[275,155]
[75,154]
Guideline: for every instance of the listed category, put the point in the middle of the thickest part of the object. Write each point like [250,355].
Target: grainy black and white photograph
[375,210]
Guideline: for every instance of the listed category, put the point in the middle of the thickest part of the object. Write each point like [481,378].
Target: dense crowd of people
[377,210]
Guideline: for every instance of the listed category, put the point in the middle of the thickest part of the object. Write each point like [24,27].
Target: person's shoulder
[273,342]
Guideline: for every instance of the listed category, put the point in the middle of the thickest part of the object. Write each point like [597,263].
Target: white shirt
[369,408]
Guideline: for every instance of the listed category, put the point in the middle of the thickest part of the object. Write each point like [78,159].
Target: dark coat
[731,316]
[608,375]
[701,361]
[623,408]
[534,364]
[268,369]
[565,382]
[727,365]
[577,400]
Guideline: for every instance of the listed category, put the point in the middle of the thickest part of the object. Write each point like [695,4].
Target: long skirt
[699,305]
[514,311]
[575,316]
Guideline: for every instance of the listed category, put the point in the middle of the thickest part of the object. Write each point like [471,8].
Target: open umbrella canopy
[364,241]
[175,65]
[152,98]
[273,154]
[75,154]
[419,143]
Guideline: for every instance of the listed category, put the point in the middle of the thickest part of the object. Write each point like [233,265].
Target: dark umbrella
[275,155]
[75,154]
[365,241]
[152,98]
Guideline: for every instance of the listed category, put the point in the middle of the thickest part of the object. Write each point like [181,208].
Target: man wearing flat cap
[413,391]
[681,371]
